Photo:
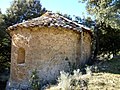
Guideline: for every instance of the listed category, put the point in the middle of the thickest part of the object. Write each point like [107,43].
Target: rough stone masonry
[50,43]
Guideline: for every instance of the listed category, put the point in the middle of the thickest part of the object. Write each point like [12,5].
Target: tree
[105,11]
[107,29]
[67,16]
[21,10]
[4,45]
[64,15]
[109,40]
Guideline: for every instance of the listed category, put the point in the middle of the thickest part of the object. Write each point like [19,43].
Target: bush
[75,81]
[35,81]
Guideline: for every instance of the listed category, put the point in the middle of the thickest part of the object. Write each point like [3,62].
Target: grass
[104,81]
[110,66]
[105,77]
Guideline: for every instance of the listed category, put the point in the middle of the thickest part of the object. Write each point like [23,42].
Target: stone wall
[49,50]
[86,47]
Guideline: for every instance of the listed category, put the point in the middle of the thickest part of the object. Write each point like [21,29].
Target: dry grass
[107,77]
[98,81]
[104,81]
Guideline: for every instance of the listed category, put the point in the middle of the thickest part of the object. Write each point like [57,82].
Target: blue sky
[71,7]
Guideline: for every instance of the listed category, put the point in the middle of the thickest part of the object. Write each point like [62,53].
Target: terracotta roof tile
[50,19]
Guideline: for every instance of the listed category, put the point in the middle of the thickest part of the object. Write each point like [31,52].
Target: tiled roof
[50,19]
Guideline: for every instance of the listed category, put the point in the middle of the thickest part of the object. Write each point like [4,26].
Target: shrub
[35,81]
[75,81]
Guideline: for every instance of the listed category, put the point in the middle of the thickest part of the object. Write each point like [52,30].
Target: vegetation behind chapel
[19,11]
[106,28]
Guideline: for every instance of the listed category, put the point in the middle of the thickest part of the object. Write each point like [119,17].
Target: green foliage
[21,10]
[65,15]
[107,11]
[109,40]
[34,80]
[107,28]
[4,45]
[85,21]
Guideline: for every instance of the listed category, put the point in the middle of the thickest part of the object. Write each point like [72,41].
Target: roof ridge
[77,24]
[51,19]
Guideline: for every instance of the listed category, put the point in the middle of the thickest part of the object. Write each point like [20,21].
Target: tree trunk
[96,44]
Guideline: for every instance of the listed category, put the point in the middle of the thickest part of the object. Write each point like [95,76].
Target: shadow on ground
[109,66]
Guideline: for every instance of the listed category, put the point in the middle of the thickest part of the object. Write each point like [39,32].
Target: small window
[21,56]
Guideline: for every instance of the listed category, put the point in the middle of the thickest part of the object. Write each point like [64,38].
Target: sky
[70,7]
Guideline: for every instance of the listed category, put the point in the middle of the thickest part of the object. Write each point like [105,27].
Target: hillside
[105,76]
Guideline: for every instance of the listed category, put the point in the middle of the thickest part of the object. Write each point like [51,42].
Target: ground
[108,76]
[104,81]
[105,76]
